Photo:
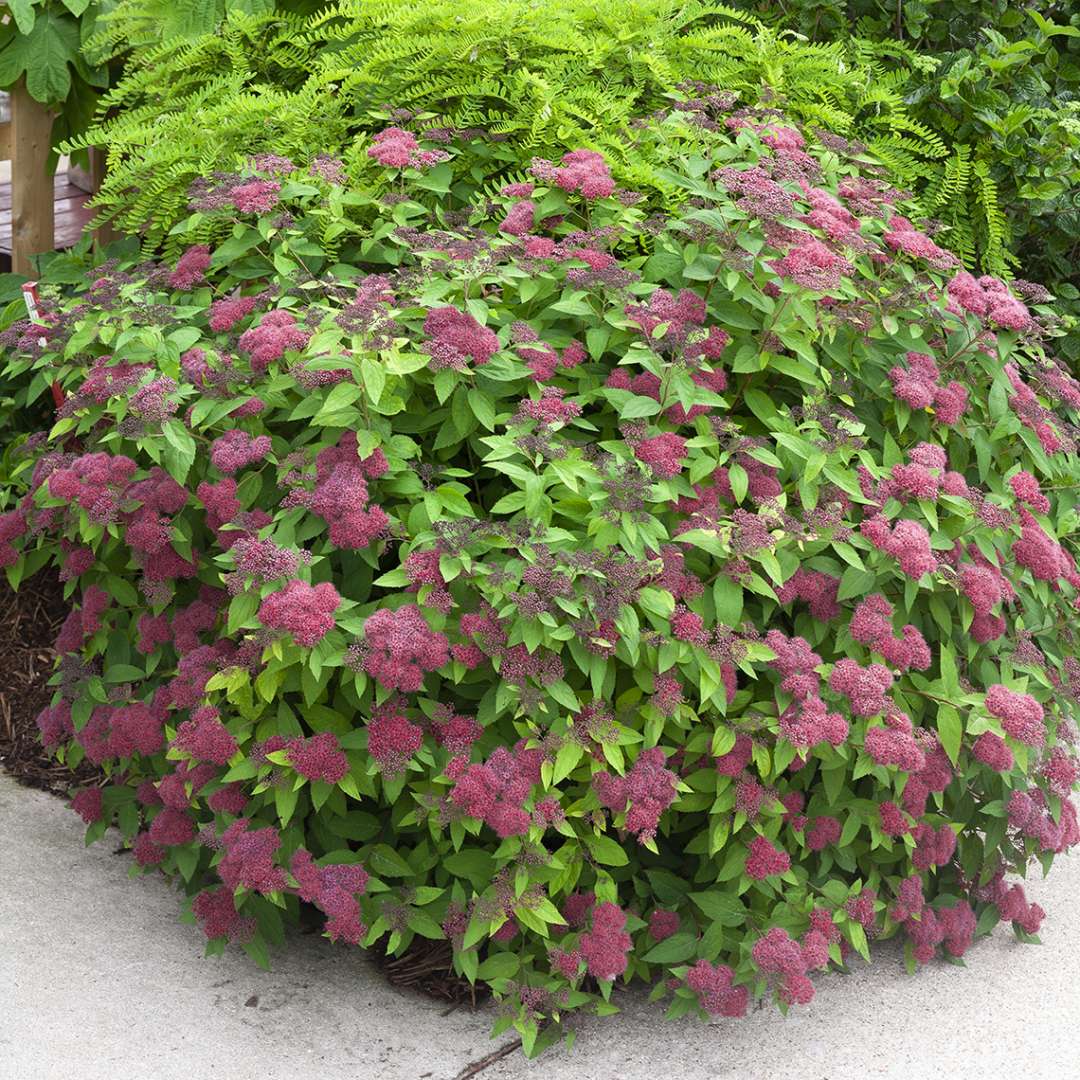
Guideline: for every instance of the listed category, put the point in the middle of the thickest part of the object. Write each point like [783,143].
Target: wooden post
[103,234]
[31,182]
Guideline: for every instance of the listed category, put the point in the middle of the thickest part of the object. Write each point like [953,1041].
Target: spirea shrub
[685,600]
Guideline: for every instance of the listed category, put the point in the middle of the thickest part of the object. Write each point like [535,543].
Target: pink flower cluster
[248,860]
[255,196]
[871,624]
[229,310]
[87,803]
[1042,421]
[1012,904]
[276,333]
[933,847]
[993,751]
[985,586]
[231,452]
[392,741]
[823,832]
[606,946]
[319,757]
[716,994]
[1061,771]
[123,731]
[520,218]
[662,453]
[737,758]
[13,525]
[778,954]
[400,647]
[953,928]
[1021,715]
[814,588]
[894,744]
[93,481]
[1026,488]
[1029,812]
[649,788]
[216,911]
[496,791]
[306,611]
[807,722]
[205,737]
[584,171]
[765,859]
[865,687]
[1043,556]
[903,236]
[191,268]
[333,889]
[907,542]
[341,493]
[989,298]
[55,724]
[264,560]
[812,264]
[662,924]
[394,148]
[457,337]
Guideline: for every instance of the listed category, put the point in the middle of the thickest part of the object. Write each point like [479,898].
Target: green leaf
[950,678]
[498,966]
[720,907]
[386,862]
[728,597]
[483,408]
[22,11]
[179,449]
[673,950]
[638,406]
[50,46]
[606,851]
[855,582]
[472,863]
[373,376]
[950,730]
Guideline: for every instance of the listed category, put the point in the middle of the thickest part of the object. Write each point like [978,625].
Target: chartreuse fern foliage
[535,76]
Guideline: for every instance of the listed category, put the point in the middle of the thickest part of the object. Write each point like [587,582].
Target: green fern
[542,74]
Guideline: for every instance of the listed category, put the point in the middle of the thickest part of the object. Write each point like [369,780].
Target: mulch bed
[427,968]
[29,622]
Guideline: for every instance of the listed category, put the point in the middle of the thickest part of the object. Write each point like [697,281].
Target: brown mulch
[427,968]
[29,622]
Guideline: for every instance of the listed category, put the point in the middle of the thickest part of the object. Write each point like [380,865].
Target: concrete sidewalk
[101,982]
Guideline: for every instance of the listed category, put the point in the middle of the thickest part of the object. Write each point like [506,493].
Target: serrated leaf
[606,851]
[673,950]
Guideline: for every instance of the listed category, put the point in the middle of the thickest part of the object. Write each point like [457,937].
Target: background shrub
[1001,85]
[691,615]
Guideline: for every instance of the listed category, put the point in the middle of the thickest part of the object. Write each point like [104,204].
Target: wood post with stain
[30,134]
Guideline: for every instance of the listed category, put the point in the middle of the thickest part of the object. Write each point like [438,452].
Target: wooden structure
[37,211]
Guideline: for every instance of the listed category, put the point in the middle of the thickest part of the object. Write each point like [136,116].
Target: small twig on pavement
[479,1066]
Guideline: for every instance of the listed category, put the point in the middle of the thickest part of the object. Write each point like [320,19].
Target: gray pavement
[99,981]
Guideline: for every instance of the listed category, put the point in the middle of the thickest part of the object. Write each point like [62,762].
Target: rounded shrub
[619,597]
